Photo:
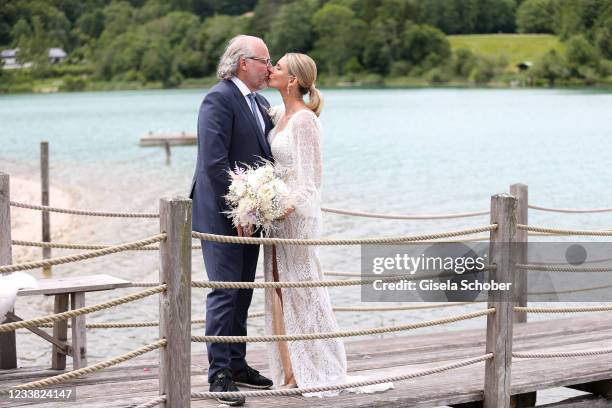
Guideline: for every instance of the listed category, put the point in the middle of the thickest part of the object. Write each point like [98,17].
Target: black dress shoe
[249,377]
[223,382]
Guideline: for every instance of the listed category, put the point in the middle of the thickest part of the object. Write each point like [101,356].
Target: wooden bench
[73,289]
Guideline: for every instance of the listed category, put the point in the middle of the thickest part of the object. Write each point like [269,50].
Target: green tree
[157,61]
[214,35]
[464,62]
[582,58]
[339,37]
[21,32]
[380,44]
[551,67]
[484,71]
[536,16]
[264,13]
[119,18]
[91,24]
[291,28]
[580,52]
[577,16]
[425,46]
[603,32]
[496,16]
[231,7]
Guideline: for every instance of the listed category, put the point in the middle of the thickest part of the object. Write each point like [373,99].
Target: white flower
[276,112]
[257,196]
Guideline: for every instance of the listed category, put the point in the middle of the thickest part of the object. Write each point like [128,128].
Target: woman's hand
[244,231]
[287,213]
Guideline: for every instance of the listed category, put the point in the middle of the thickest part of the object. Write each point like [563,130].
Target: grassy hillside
[515,47]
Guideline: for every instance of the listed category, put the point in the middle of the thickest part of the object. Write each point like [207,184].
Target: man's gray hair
[237,47]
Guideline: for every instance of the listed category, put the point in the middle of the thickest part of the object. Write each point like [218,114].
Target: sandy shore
[27,224]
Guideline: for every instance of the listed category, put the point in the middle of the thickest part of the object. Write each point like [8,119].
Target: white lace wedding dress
[296,149]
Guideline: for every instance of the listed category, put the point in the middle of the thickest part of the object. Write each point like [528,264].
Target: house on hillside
[9,58]
[56,55]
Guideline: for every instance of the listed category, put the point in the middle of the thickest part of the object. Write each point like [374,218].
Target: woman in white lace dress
[296,148]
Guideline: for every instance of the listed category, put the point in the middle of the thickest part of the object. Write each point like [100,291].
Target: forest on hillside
[173,42]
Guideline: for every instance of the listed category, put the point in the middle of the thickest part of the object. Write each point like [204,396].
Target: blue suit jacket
[228,134]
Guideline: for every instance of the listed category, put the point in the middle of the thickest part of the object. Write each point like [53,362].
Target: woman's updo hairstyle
[305,70]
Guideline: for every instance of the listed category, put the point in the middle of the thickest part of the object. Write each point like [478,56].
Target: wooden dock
[136,382]
[171,139]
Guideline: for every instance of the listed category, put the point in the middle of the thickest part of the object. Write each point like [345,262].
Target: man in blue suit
[233,124]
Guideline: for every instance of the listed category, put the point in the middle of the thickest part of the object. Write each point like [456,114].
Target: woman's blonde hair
[305,70]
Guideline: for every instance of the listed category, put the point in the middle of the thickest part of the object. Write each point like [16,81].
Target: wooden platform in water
[135,382]
[173,139]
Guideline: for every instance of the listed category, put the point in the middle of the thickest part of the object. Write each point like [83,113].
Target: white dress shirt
[245,91]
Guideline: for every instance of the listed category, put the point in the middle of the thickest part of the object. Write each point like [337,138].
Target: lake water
[400,150]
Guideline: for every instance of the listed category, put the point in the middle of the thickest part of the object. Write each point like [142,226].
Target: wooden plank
[499,325]
[602,388]
[582,401]
[71,284]
[521,192]
[44,185]
[130,384]
[173,139]
[8,347]
[60,332]
[79,332]
[64,347]
[175,302]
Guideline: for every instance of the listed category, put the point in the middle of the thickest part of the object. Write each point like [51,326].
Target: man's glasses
[260,59]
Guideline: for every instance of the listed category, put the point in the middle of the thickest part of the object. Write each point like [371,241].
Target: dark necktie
[254,108]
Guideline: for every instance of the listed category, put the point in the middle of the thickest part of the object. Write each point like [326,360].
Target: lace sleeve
[308,167]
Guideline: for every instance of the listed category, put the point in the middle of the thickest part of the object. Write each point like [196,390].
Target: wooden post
[60,332]
[44,183]
[8,348]
[175,302]
[79,332]
[168,152]
[520,191]
[499,324]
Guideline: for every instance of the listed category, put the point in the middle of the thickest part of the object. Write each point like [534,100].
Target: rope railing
[324,209]
[563,354]
[89,369]
[340,334]
[323,388]
[334,387]
[126,325]
[533,228]
[329,241]
[564,309]
[311,284]
[404,216]
[559,268]
[86,255]
[84,212]
[570,210]
[399,308]
[68,245]
[155,323]
[9,327]
[153,403]
[115,214]
[326,273]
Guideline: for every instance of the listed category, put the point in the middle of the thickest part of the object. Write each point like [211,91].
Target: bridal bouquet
[257,196]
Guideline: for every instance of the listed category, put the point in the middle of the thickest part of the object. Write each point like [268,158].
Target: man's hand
[244,231]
